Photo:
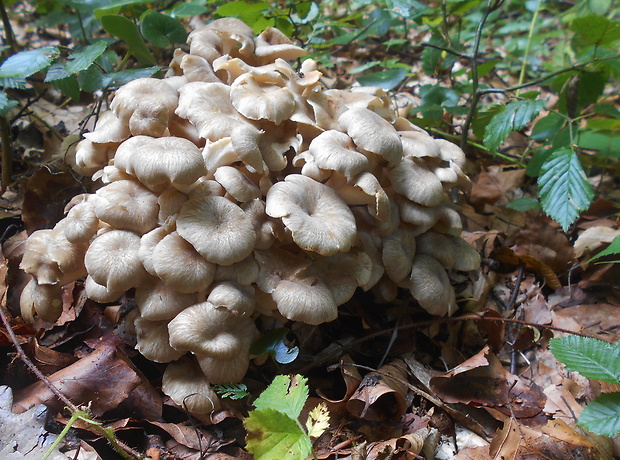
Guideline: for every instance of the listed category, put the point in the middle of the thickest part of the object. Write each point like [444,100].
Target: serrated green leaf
[595,30]
[70,87]
[590,357]
[612,249]
[16,68]
[162,30]
[231,390]
[127,31]
[273,435]
[515,116]
[434,99]
[483,117]
[547,127]
[386,79]
[563,187]
[318,421]
[286,394]
[76,62]
[602,416]
[6,104]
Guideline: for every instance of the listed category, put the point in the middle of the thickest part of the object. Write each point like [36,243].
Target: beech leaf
[590,357]
[272,435]
[515,116]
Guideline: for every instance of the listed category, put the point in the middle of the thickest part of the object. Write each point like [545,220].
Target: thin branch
[7,153]
[8,29]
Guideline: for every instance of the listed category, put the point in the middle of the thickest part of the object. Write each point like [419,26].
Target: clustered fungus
[238,186]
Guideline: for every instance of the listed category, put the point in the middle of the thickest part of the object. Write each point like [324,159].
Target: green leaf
[547,127]
[612,249]
[70,87]
[285,394]
[434,99]
[127,31]
[250,13]
[115,6]
[231,390]
[595,30]
[274,435]
[535,164]
[6,104]
[523,204]
[18,67]
[602,416]
[483,118]
[590,357]
[182,10]
[386,79]
[76,62]
[563,187]
[515,116]
[162,30]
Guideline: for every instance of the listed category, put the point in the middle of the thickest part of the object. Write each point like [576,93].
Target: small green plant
[274,429]
[598,360]
[231,390]
[612,250]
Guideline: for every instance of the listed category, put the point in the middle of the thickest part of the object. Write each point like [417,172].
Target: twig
[8,29]
[528,47]
[7,154]
[123,449]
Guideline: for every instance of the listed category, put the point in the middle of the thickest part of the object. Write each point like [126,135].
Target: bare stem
[8,30]
[7,154]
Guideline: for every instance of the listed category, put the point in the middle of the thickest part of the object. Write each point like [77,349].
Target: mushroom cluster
[239,186]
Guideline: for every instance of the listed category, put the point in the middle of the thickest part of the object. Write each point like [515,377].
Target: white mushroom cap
[372,133]
[244,272]
[208,107]
[180,267]
[187,386]
[89,157]
[127,205]
[157,301]
[148,242]
[197,68]
[272,44]
[430,286]
[82,223]
[236,35]
[145,105]
[218,370]
[160,161]
[213,331]
[335,151]
[153,341]
[317,218]
[236,298]
[237,184]
[414,181]
[257,100]
[307,300]
[100,293]
[217,228]
[397,254]
[170,202]
[108,129]
[112,260]
[44,300]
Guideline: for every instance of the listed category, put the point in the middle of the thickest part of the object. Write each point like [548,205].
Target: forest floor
[398,383]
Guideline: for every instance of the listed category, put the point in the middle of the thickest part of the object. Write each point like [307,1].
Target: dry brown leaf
[495,187]
[381,396]
[600,320]
[593,238]
[483,381]
[351,377]
[508,256]
[102,380]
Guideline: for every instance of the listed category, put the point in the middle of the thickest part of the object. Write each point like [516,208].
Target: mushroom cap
[413,180]
[237,184]
[82,223]
[127,205]
[272,44]
[160,161]
[179,266]
[397,254]
[208,107]
[244,272]
[112,260]
[317,218]
[145,105]
[372,133]
[236,35]
[100,293]
[335,151]
[44,300]
[218,370]
[217,228]
[108,129]
[430,286]
[153,341]
[307,300]
[262,101]
[187,386]
[148,242]
[236,298]
[205,329]
[157,302]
